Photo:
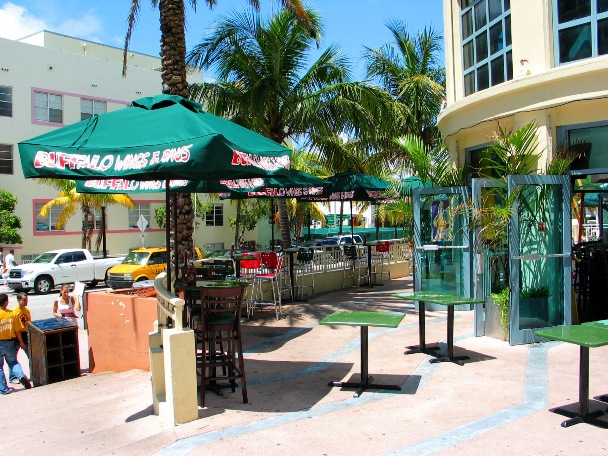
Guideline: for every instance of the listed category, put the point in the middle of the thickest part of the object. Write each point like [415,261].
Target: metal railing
[329,258]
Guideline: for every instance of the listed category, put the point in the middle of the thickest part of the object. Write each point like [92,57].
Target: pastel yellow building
[510,62]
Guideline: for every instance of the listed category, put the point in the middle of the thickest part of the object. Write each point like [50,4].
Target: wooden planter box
[118,323]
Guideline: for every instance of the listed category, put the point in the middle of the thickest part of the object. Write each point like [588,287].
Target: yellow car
[140,264]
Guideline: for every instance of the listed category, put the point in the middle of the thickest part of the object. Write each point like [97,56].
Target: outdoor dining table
[587,335]
[364,319]
[444,299]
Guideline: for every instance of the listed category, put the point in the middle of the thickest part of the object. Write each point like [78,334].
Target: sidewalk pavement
[496,403]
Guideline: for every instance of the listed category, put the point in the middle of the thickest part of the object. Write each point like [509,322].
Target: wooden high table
[587,335]
[364,319]
[444,299]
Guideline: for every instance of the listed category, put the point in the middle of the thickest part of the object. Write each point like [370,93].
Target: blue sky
[351,24]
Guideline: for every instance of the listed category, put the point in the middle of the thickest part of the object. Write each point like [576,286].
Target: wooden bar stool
[219,333]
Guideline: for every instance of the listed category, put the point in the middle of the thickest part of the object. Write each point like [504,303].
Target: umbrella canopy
[405,186]
[160,137]
[294,184]
[352,186]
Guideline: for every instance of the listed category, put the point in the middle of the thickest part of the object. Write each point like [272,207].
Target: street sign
[142,223]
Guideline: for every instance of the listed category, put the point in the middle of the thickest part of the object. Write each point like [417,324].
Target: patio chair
[218,330]
[381,260]
[356,261]
[303,268]
[271,273]
[248,269]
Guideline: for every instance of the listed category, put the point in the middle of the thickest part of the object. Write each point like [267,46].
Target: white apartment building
[49,80]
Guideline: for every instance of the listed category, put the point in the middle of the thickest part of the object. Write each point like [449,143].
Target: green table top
[438,297]
[584,335]
[364,318]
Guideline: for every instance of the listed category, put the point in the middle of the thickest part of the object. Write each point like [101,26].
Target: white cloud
[85,27]
[17,22]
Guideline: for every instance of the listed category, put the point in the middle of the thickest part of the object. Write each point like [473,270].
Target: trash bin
[53,350]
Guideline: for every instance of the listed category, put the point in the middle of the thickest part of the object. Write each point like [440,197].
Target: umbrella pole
[309,221]
[352,225]
[272,223]
[580,225]
[175,247]
[377,221]
[600,216]
[168,236]
[103,233]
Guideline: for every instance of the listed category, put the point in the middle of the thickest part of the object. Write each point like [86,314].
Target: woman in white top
[65,305]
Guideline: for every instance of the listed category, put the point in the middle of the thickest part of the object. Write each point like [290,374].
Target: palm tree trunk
[173,62]
[284,222]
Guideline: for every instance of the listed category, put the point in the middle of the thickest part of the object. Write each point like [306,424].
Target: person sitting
[65,305]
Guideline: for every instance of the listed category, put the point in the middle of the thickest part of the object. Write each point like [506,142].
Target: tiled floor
[496,403]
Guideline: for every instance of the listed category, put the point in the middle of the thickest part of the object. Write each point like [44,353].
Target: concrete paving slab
[496,403]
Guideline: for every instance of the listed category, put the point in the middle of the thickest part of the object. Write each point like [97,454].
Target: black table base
[362,386]
[422,348]
[583,415]
[575,418]
[366,379]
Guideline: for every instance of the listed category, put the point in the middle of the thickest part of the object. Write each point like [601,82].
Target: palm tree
[409,70]
[267,84]
[88,203]
[173,74]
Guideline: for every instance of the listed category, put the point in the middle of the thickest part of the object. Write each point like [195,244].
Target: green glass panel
[541,298]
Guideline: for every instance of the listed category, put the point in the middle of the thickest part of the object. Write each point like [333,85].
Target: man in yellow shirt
[24,315]
[10,327]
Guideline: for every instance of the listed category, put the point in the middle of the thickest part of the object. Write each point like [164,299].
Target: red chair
[248,269]
[271,273]
[381,258]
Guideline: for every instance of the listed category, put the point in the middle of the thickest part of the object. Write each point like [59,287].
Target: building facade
[49,80]
[510,62]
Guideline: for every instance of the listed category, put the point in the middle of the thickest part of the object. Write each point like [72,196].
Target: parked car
[321,243]
[57,267]
[347,239]
[139,265]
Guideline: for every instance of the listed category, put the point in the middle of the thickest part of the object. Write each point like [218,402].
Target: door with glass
[442,258]
[490,246]
[540,260]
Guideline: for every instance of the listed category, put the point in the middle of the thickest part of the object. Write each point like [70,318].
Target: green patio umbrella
[294,184]
[160,137]
[353,186]
[156,138]
[405,186]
